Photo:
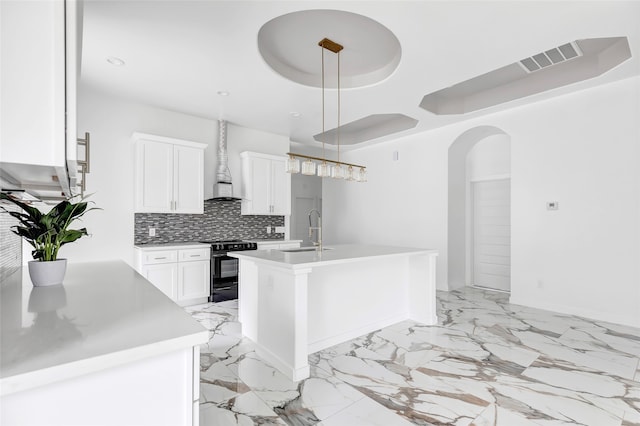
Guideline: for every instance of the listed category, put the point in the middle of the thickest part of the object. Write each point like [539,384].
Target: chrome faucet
[318,243]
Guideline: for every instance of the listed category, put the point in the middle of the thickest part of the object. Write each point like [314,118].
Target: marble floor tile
[497,415]
[487,362]
[245,410]
[219,384]
[546,404]
[365,412]
[302,403]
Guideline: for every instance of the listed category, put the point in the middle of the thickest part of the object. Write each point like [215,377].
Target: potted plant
[47,232]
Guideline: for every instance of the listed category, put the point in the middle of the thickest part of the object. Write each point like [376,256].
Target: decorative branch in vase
[47,232]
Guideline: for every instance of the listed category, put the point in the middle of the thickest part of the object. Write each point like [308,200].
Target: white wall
[111,121]
[489,158]
[581,150]
[404,202]
[307,191]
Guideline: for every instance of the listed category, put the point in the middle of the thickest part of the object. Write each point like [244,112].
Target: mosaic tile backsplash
[10,244]
[221,221]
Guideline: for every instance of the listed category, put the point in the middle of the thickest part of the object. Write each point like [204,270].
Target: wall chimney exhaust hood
[223,188]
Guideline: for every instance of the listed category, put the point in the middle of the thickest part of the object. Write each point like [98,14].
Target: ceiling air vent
[551,57]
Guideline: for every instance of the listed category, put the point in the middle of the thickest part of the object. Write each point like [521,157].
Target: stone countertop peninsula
[104,315]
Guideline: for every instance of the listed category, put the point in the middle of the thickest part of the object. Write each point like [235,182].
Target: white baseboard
[532,302]
[292,373]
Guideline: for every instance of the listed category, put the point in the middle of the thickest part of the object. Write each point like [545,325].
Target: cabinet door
[280,189]
[32,82]
[261,186]
[188,180]
[193,279]
[154,186]
[32,105]
[164,277]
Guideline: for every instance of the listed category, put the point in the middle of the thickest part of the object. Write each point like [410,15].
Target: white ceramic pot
[47,273]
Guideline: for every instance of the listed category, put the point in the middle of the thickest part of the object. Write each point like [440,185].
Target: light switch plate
[279,229]
[552,205]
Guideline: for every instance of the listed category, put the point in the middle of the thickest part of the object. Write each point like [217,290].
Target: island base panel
[152,391]
[292,312]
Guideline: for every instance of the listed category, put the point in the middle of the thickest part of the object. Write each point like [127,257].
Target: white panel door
[188,177]
[491,235]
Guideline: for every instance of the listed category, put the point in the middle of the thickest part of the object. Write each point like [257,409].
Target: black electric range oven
[224,269]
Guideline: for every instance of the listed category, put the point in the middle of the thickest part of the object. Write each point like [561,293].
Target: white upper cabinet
[266,186]
[169,175]
[39,56]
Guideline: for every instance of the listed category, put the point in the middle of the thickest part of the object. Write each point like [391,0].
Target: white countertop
[105,314]
[332,255]
[169,246]
[276,241]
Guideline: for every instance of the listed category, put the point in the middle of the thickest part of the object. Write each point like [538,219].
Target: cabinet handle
[194,255]
[86,142]
[85,165]
[160,258]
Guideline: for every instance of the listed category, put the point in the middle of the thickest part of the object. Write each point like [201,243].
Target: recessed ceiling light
[223,93]
[116,62]
[295,114]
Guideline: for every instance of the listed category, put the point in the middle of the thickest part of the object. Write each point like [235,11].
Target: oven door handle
[223,288]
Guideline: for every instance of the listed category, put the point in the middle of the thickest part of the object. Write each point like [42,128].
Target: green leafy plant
[47,232]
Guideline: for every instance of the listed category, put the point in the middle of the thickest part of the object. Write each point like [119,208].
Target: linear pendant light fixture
[327,168]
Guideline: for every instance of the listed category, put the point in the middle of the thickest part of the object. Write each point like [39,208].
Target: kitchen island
[296,302]
[104,348]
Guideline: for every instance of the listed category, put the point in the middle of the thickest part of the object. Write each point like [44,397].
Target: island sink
[293,250]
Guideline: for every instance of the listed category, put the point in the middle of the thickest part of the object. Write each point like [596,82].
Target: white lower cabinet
[193,280]
[183,273]
[164,276]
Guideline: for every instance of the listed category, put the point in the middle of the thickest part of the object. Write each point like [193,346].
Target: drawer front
[154,257]
[193,254]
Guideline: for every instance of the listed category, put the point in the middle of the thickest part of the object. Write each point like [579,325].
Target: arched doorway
[476,165]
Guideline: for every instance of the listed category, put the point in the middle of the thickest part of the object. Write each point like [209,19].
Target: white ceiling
[179,54]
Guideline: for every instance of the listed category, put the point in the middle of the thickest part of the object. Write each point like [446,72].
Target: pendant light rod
[338,128]
[293,154]
[292,164]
